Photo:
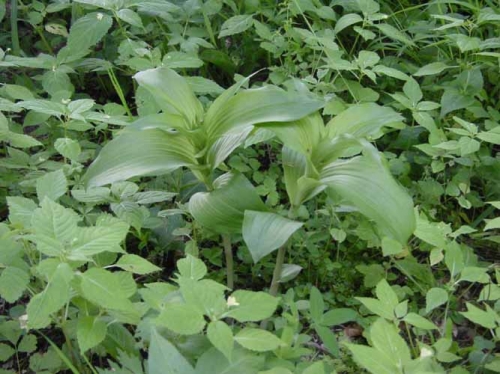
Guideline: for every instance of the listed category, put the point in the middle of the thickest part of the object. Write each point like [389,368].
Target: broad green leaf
[454,258]
[367,184]
[172,93]
[346,21]
[419,321]
[182,319]
[487,318]
[434,298]
[13,282]
[181,60]
[329,339]
[52,185]
[386,339]
[136,264]
[90,332]
[6,352]
[391,247]
[386,294]
[231,119]
[257,340]
[204,86]
[192,267]
[289,272]
[125,156]
[276,370]
[43,106]
[236,25]
[339,316]
[107,289]
[265,232]
[88,30]
[431,69]
[302,135]
[377,307]
[68,148]
[204,296]
[129,16]
[27,344]
[221,336]
[55,295]
[474,274]
[362,120]
[164,358]
[20,210]
[222,209]
[243,362]
[252,306]
[372,360]
[492,224]
[393,33]
[316,305]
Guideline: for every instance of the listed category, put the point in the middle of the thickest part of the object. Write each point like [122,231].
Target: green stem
[16,49]
[228,251]
[280,259]
[119,91]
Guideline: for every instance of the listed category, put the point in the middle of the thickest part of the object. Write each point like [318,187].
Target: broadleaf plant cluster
[255,186]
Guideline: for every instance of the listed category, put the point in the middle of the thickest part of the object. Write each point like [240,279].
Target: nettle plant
[335,158]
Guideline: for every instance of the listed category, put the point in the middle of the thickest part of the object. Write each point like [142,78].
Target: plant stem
[280,259]
[119,91]
[16,49]
[228,251]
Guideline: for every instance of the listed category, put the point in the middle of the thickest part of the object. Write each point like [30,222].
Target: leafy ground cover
[254,186]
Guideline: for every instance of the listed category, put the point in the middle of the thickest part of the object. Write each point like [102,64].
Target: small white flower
[99,16]
[231,301]
[426,352]
[23,321]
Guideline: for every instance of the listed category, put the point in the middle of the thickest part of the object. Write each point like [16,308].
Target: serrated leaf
[52,185]
[55,295]
[90,332]
[386,339]
[221,336]
[6,352]
[236,25]
[182,319]
[265,232]
[257,340]
[13,282]
[88,30]
[27,344]
[252,306]
[106,289]
[136,264]
[377,307]
[164,358]
[222,209]
[192,267]
[68,148]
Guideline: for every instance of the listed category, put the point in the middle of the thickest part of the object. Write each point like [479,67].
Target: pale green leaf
[90,332]
[372,360]
[236,25]
[419,321]
[68,148]
[13,282]
[367,184]
[243,362]
[362,120]
[391,247]
[431,69]
[136,264]
[483,318]
[492,224]
[20,210]
[393,33]
[192,267]
[124,157]
[55,295]
[129,16]
[181,60]
[88,30]
[257,340]
[106,289]
[339,316]
[386,339]
[346,20]
[316,305]
[182,319]
[386,294]
[164,358]
[265,232]
[172,93]
[222,209]
[252,306]
[377,307]
[52,185]
[435,297]
[221,336]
